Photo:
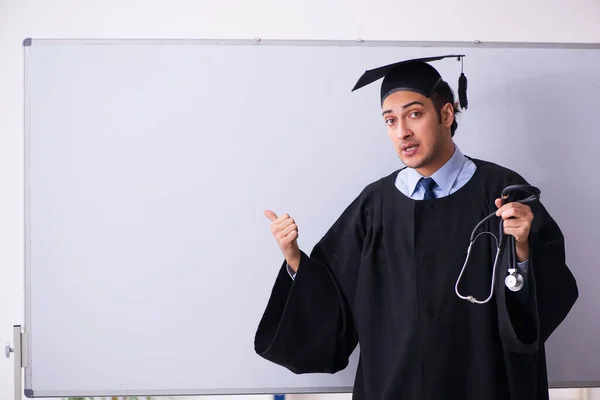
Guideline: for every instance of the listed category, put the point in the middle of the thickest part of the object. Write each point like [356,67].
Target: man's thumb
[271,215]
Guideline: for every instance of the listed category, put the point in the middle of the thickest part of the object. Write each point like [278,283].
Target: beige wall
[457,20]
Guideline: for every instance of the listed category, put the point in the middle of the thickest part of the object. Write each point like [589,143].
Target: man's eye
[390,121]
[415,114]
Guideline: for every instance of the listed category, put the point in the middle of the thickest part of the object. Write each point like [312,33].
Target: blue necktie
[428,184]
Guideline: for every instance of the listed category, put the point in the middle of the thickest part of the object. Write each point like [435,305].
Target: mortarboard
[415,75]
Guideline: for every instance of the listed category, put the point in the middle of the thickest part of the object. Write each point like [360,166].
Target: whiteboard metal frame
[310,42]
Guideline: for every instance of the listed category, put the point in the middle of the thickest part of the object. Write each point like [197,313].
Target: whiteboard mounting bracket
[17,350]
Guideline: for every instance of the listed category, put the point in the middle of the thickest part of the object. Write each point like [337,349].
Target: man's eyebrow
[412,103]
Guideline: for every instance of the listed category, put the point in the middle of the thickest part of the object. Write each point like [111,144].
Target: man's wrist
[522,251]
[294,262]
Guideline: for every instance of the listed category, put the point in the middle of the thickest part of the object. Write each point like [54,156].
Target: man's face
[419,137]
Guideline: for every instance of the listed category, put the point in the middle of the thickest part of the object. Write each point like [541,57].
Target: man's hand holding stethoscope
[517,219]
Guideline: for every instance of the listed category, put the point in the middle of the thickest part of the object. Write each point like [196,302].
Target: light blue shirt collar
[444,177]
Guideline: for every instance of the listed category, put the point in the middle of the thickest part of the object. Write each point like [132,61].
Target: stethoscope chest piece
[514,281]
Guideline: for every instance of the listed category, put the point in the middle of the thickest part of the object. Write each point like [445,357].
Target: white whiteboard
[149,164]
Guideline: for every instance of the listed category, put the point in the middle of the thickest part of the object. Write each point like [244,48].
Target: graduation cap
[415,75]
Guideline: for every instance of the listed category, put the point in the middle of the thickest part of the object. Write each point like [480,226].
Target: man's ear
[447,114]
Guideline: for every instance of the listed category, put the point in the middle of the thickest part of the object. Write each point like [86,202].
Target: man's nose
[403,131]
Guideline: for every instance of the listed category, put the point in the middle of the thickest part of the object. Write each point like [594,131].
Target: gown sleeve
[526,324]
[307,325]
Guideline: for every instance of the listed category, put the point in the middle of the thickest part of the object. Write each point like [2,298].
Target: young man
[385,274]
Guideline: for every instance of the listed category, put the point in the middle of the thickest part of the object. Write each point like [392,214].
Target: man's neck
[443,158]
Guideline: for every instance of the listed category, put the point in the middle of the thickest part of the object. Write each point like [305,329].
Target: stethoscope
[514,281]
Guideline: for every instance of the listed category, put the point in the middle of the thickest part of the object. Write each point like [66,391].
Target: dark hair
[441,96]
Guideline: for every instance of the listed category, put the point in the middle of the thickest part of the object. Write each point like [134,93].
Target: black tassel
[462,91]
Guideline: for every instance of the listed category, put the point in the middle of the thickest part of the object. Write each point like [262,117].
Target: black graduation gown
[384,276]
